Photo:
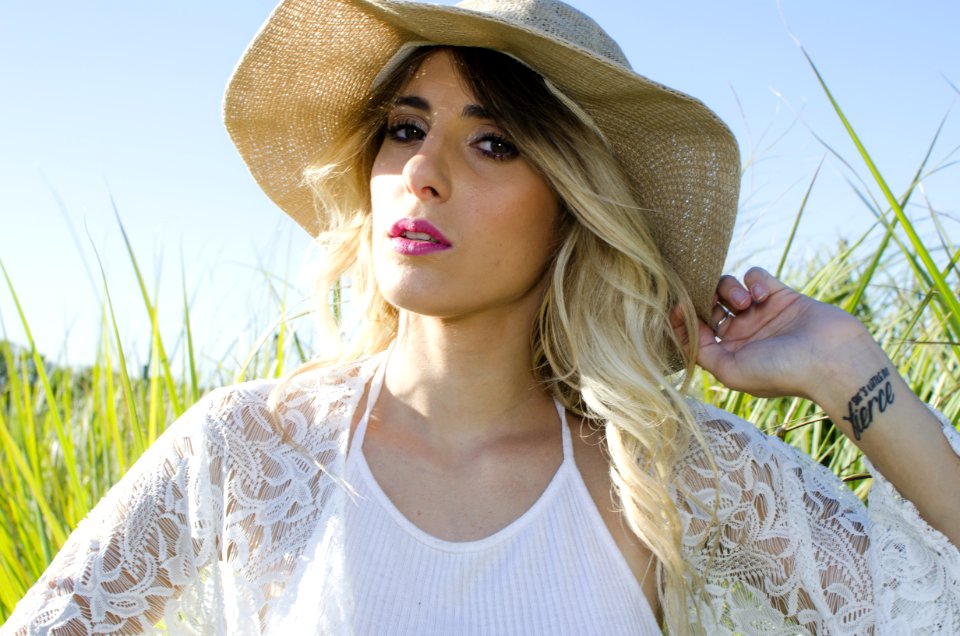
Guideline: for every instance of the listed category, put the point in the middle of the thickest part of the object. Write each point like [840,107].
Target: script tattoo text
[875,395]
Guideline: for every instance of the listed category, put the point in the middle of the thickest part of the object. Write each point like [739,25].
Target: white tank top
[554,570]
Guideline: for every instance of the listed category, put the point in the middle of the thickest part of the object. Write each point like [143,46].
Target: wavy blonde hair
[602,342]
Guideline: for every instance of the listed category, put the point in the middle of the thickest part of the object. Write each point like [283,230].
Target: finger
[677,317]
[711,354]
[732,293]
[761,283]
[720,319]
[679,326]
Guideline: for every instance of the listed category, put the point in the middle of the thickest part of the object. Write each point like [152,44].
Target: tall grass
[68,434]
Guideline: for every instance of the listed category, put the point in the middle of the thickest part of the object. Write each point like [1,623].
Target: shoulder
[725,440]
[738,463]
[306,407]
[728,437]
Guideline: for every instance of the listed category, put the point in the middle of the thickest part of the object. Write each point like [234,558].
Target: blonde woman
[534,233]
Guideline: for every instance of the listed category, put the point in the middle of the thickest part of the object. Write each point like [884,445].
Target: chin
[416,290]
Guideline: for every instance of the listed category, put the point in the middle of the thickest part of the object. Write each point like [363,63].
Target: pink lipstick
[417,236]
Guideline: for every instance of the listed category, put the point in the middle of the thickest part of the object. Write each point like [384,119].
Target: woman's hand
[769,340]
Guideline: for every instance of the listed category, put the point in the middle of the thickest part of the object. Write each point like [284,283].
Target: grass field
[68,434]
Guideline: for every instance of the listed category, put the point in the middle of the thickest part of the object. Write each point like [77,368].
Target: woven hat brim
[314,61]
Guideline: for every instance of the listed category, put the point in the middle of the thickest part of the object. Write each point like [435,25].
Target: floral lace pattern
[796,552]
[230,524]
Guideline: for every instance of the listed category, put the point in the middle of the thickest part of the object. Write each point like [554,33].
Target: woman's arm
[780,342]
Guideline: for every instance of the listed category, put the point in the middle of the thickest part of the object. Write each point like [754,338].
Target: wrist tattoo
[876,393]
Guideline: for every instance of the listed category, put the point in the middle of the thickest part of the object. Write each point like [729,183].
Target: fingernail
[758,291]
[740,297]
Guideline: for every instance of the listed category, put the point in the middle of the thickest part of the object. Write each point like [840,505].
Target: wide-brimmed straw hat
[314,62]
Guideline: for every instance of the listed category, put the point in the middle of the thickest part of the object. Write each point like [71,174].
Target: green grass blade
[125,384]
[796,221]
[946,295]
[194,394]
[54,524]
[65,440]
[109,412]
[152,313]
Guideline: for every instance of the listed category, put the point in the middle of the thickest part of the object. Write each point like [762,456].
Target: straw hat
[314,62]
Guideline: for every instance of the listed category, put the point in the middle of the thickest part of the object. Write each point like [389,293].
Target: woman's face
[462,224]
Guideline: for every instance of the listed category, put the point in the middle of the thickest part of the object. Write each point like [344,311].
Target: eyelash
[398,131]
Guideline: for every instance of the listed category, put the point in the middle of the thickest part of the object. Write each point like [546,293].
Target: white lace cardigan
[229,526]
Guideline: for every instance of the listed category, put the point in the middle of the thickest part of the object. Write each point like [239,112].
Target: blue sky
[118,98]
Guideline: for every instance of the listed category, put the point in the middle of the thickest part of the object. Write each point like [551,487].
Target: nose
[427,173]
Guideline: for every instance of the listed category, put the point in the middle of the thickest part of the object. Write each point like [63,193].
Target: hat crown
[556,19]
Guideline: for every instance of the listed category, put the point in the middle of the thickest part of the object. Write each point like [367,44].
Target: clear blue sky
[116,98]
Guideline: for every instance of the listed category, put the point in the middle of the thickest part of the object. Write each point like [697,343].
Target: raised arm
[792,550]
[780,342]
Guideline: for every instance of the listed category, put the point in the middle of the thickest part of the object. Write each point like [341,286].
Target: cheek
[541,246]
[541,223]
[386,178]
[391,280]
[384,190]
[521,246]
[381,188]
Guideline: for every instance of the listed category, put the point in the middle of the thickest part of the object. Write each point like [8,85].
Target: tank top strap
[373,393]
[565,431]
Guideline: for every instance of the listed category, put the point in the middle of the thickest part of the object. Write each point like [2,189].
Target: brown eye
[497,147]
[405,131]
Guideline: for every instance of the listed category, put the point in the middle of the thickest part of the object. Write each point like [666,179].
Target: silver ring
[727,315]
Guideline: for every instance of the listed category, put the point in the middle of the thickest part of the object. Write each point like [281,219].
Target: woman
[503,452]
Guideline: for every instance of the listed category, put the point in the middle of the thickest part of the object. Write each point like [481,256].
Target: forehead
[439,78]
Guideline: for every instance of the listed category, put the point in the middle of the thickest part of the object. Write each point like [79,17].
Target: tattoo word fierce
[877,392]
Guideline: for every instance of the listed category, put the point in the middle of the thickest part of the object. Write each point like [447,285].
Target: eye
[496,147]
[405,130]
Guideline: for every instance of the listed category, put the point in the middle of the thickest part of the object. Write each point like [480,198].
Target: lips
[417,236]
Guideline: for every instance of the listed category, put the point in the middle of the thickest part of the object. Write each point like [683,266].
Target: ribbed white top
[554,570]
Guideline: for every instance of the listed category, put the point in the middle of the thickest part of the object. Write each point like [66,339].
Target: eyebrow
[471,111]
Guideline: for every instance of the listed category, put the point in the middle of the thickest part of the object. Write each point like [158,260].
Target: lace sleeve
[142,545]
[204,533]
[916,568]
[792,550]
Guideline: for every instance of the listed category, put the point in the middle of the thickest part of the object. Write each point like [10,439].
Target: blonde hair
[602,342]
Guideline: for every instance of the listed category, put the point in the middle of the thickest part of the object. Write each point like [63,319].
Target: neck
[455,381]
